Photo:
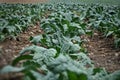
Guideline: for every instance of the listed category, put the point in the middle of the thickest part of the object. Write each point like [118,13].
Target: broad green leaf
[109,33]
[22,57]
[9,68]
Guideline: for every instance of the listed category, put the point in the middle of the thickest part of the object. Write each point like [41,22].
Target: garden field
[22,1]
[60,40]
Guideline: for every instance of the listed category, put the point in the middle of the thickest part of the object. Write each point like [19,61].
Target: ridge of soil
[103,53]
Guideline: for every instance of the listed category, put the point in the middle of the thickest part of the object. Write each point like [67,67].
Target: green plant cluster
[16,18]
[105,19]
[61,54]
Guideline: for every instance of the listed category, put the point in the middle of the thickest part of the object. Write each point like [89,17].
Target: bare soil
[103,52]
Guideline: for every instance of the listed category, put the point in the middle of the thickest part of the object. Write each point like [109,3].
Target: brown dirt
[11,48]
[102,52]
[22,1]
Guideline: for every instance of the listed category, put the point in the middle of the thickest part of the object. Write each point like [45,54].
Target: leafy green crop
[61,54]
[16,18]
